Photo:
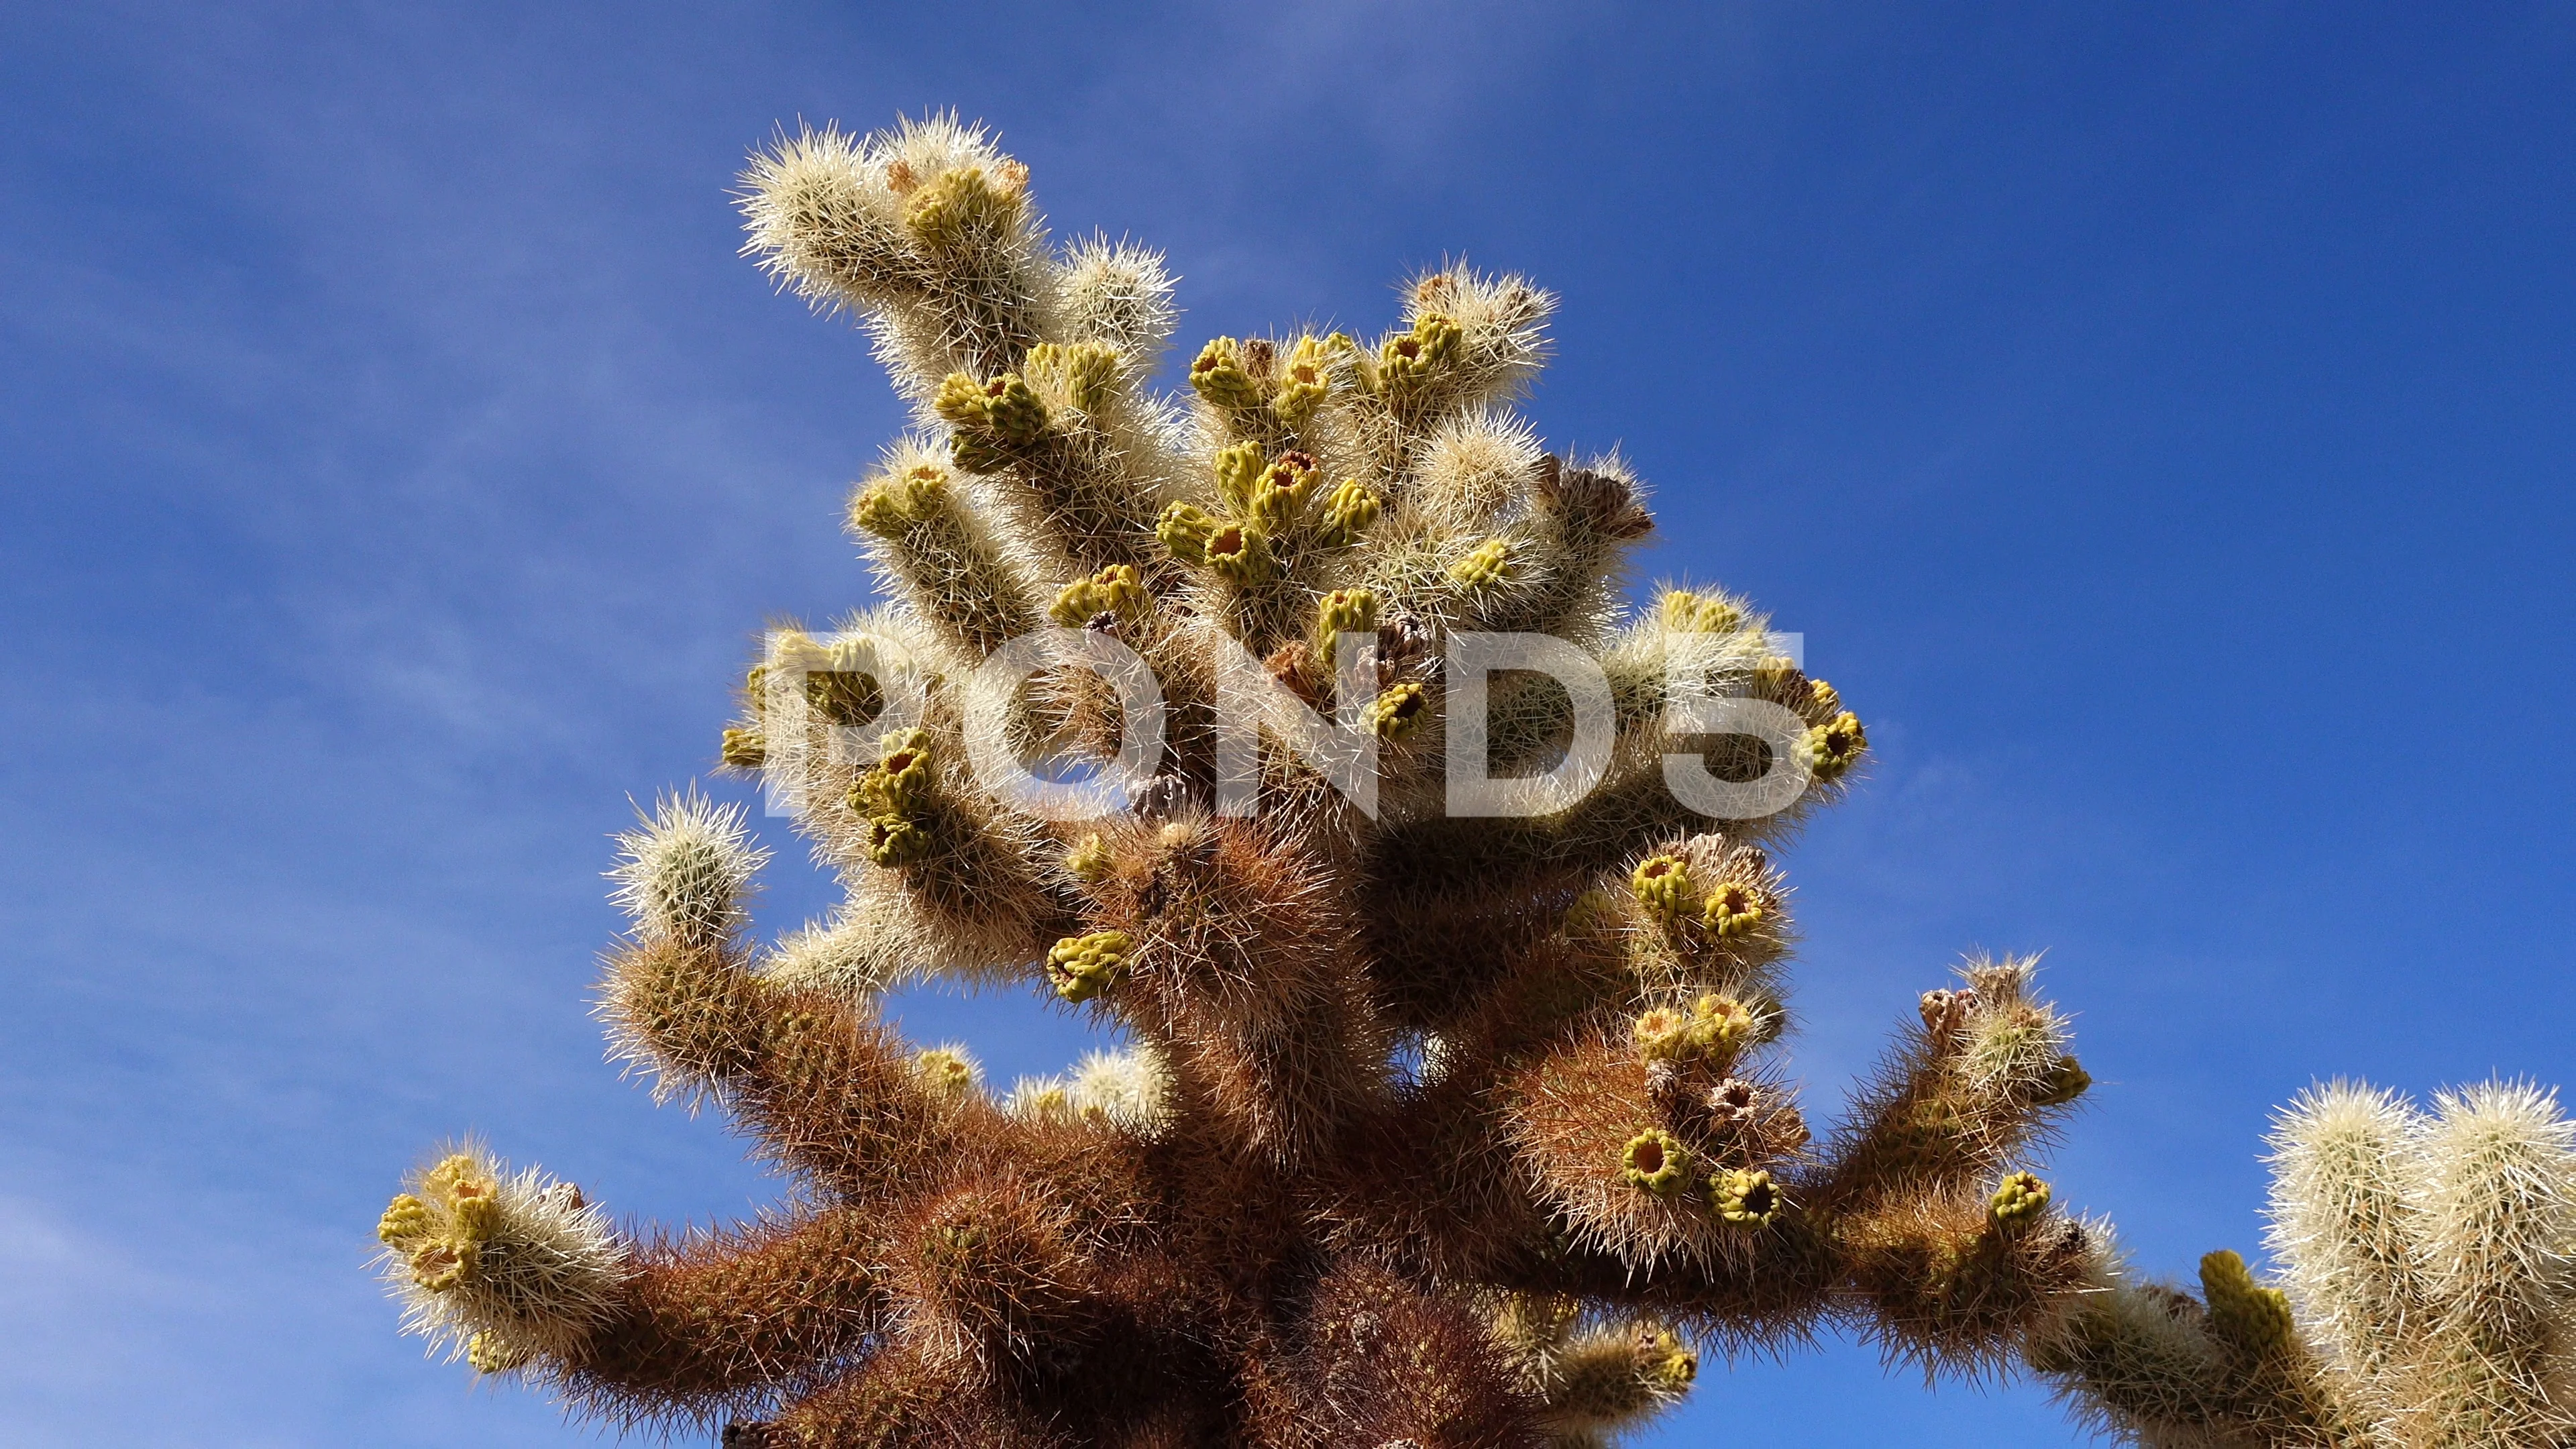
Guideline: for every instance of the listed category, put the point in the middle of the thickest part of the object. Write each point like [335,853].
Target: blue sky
[2157,419]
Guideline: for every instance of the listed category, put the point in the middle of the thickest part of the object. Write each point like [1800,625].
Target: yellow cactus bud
[1278,496]
[1348,511]
[476,1217]
[1303,382]
[441,1181]
[1719,1025]
[1407,359]
[894,842]
[1831,749]
[1089,858]
[1747,1199]
[1082,967]
[2021,1198]
[1236,468]
[1487,564]
[891,505]
[1655,1161]
[1733,909]
[744,749]
[2066,1081]
[1090,374]
[1664,1035]
[1663,885]
[406,1218]
[952,208]
[1352,611]
[1016,415]
[2242,1312]
[1240,553]
[904,777]
[1185,530]
[1673,1365]
[440,1265]
[1824,698]
[1117,589]
[1219,375]
[960,400]
[1685,612]
[1397,712]
[944,1072]
[489,1353]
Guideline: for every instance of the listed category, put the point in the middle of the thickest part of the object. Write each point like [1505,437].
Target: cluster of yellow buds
[1250,377]
[1655,1161]
[994,419]
[1714,1029]
[1663,885]
[441,1232]
[949,211]
[2021,1197]
[1082,967]
[1685,612]
[1265,501]
[1409,359]
[1832,748]
[1396,712]
[889,506]
[1487,564]
[1745,1198]
[1343,611]
[896,796]
[1118,591]
[945,1072]
[1088,370]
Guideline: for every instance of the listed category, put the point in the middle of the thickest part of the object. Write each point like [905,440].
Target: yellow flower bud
[894,842]
[1663,885]
[1733,909]
[1082,967]
[1278,495]
[1219,375]
[744,749]
[2066,1081]
[1655,1161]
[488,1353]
[1747,1199]
[947,1074]
[1685,612]
[1831,749]
[1352,611]
[1240,553]
[1348,511]
[1185,531]
[406,1218]
[960,401]
[1303,382]
[1487,564]
[952,208]
[1117,589]
[1397,712]
[1719,1025]
[1089,859]
[1015,414]
[1663,1035]
[2021,1198]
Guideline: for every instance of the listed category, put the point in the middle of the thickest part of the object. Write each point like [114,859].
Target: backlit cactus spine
[1456,1133]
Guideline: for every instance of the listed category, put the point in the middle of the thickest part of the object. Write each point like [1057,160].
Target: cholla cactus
[1456,1132]
[2426,1295]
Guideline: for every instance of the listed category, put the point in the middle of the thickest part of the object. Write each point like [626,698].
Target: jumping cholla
[1436,1129]
[2426,1299]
